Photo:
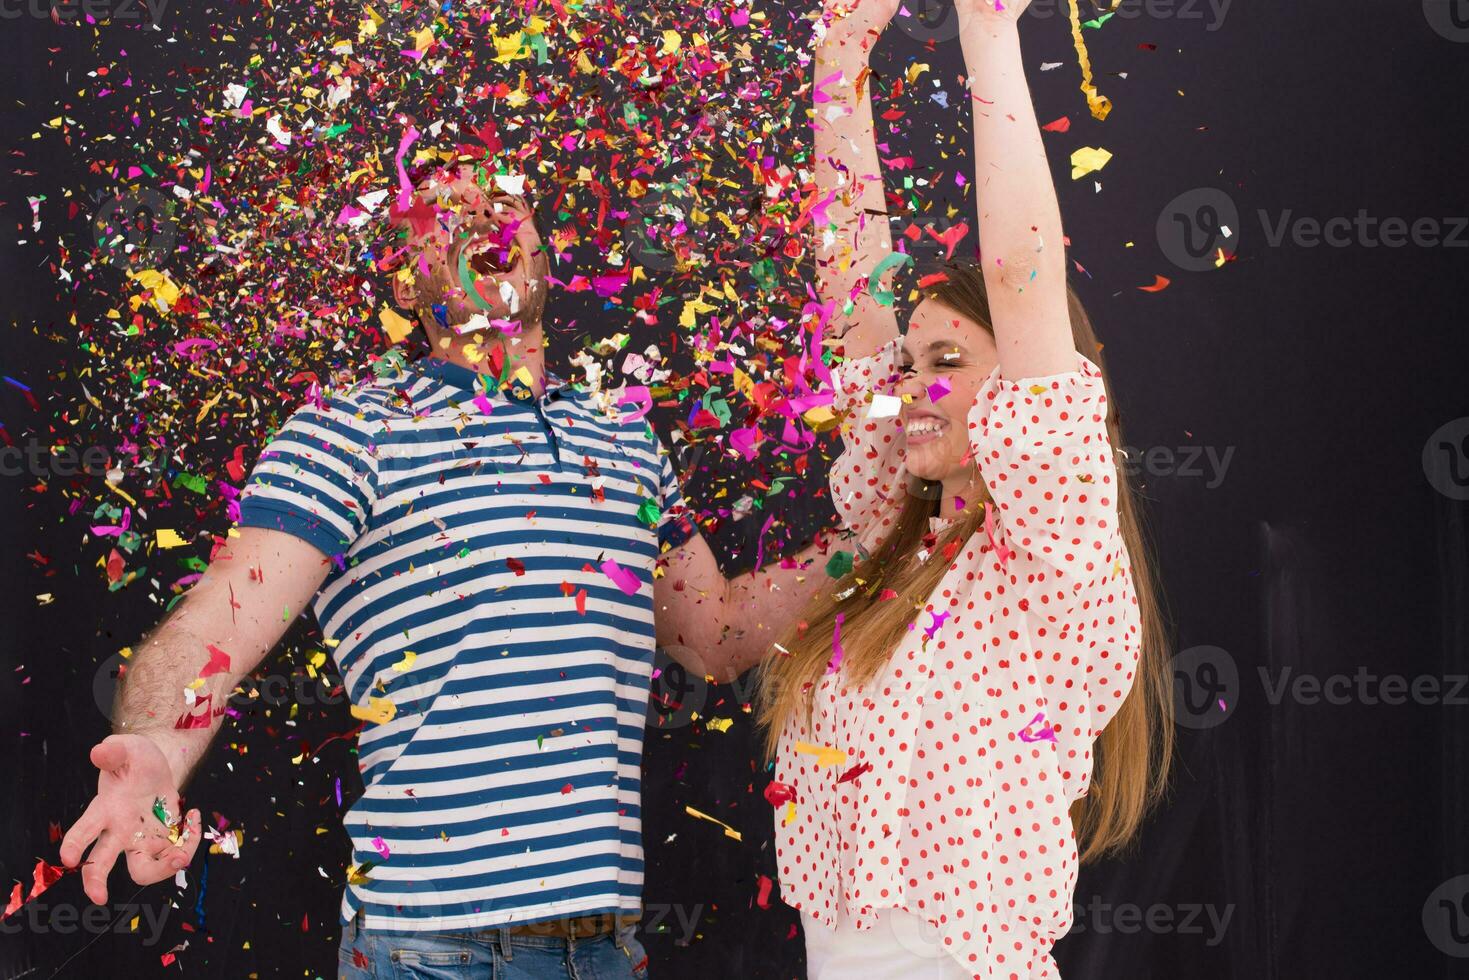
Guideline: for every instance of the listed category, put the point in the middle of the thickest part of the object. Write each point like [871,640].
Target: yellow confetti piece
[379,711]
[1098,103]
[121,493]
[1087,160]
[671,43]
[728,830]
[825,754]
[395,326]
[1038,389]
[719,724]
[169,538]
[820,419]
[406,664]
[790,813]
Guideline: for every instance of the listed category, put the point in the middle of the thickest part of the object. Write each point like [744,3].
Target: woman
[934,719]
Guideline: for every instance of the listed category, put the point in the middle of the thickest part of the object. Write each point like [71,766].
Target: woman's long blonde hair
[1133,753]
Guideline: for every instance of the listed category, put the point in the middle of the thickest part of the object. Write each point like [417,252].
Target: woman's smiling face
[942,350]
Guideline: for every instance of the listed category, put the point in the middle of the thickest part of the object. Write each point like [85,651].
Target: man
[480,539]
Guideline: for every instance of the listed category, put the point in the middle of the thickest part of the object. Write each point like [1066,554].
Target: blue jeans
[488,954]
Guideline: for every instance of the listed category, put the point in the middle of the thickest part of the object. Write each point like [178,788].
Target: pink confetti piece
[745,441]
[381,846]
[1046,734]
[638,395]
[836,646]
[939,389]
[623,578]
[405,188]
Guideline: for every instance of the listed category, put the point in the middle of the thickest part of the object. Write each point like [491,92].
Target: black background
[1321,829]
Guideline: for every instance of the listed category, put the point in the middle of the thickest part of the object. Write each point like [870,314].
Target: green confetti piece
[338,130]
[839,564]
[160,810]
[191,482]
[648,512]
[885,296]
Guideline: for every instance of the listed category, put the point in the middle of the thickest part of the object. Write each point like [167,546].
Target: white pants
[900,946]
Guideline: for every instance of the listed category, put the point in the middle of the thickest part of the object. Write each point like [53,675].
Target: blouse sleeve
[1042,447]
[867,478]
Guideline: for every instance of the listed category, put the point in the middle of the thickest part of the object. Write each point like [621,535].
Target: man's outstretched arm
[232,617]
[721,627]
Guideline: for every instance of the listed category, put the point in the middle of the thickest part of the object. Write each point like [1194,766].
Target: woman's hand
[990,10]
[847,20]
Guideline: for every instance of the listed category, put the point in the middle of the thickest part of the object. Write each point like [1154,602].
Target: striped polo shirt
[491,609]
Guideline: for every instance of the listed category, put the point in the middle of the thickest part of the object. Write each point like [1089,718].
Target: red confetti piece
[762,898]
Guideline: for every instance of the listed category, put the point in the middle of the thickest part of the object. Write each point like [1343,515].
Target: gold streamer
[1099,104]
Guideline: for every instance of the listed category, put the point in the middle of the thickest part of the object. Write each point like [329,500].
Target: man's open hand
[136,811]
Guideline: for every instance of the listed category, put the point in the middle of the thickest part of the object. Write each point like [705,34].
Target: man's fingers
[147,869]
[99,865]
[157,858]
[110,753]
[82,833]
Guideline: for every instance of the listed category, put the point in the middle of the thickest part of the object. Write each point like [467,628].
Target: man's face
[474,259]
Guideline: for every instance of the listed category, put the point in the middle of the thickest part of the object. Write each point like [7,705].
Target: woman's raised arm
[1020,235]
[854,237]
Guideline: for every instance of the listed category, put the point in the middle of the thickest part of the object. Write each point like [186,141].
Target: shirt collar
[467,379]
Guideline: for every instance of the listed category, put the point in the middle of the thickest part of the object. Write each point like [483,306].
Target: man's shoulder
[624,423]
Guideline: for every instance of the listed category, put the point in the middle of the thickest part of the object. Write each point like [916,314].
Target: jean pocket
[637,957]
[431,964]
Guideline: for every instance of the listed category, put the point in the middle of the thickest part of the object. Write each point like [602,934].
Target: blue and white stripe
[506,786]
